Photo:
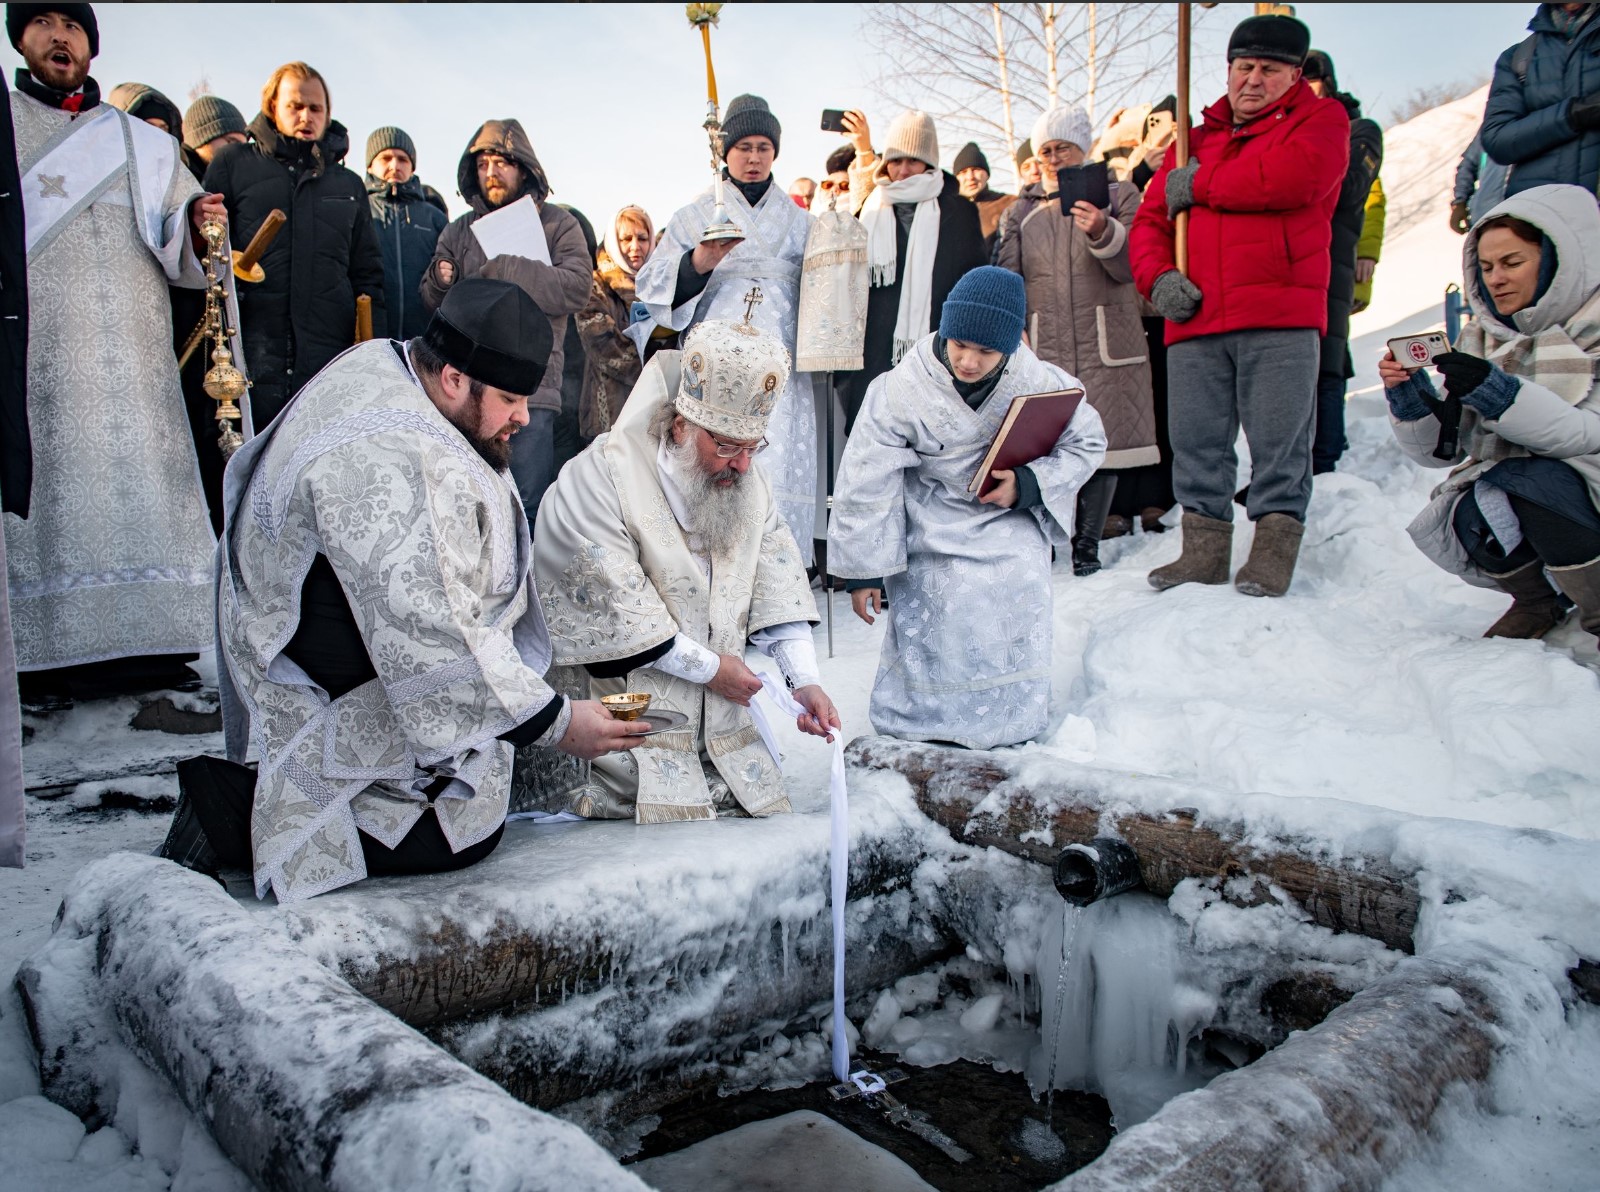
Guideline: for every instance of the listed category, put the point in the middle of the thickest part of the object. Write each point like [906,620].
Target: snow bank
[305,1082]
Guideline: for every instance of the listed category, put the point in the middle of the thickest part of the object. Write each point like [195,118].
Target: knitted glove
[1180,188]
[1460,220]
[1584,114]
[1474,382]
[1175,297]
[1413,399]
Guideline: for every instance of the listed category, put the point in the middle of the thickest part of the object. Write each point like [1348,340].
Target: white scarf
[613,242]
[915,315]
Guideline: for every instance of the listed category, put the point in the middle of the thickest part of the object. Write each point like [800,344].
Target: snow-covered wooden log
[1337,1106]
[1033,808]
[306,1085]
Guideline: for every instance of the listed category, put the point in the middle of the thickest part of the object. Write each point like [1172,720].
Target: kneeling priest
[659,554]
[381,645]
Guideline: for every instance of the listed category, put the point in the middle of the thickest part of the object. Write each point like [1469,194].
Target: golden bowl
[630,705]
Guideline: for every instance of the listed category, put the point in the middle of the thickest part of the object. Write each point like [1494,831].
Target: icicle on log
[982,799]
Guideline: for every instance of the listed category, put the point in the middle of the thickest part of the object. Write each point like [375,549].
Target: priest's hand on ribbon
[820,718]
[735,681]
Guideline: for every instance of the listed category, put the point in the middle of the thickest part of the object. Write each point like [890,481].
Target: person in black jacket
[16,472]
[1336,368]
[905,188]
[407,225]
[304,313]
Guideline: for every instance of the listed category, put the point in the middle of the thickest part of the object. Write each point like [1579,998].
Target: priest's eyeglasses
[726,450]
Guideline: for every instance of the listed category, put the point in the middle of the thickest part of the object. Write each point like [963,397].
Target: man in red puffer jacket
[1243,328]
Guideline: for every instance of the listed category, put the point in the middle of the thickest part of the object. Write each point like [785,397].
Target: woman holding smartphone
[1521,405]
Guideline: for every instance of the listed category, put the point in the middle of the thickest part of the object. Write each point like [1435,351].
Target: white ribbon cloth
[838,854]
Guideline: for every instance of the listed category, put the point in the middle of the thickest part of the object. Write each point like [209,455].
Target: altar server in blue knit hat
[966,658]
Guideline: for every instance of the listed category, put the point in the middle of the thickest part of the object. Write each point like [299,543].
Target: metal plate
[662,722]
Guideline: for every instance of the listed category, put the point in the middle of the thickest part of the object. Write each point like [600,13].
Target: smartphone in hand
[1418,351]
[833,120]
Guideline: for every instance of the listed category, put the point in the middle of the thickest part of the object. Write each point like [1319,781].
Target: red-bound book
[1031,428]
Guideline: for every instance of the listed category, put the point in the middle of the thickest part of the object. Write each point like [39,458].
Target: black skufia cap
[18,16]
[492,331]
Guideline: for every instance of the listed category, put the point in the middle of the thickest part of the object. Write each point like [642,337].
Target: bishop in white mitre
[114,563]
[660,555]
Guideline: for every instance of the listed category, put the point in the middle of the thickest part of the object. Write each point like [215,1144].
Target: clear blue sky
[613,94]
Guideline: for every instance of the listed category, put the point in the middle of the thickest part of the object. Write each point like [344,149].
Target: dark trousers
[533,459]
[1150,485]
[1560,526]
[1330,442]
[218,795]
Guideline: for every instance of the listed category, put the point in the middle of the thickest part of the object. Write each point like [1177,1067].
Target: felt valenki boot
[1207,554]
[1581,583]
[1536,607]
[1270,567]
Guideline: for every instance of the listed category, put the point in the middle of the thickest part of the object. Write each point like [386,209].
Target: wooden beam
[979,798]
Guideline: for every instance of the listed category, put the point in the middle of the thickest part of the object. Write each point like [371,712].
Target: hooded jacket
[1546,338]
[304,313]
[407,226]
[1525,123]
[142,101]
[560,288]
[1259,231]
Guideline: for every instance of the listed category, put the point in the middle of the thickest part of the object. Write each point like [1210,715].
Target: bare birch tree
[985,72]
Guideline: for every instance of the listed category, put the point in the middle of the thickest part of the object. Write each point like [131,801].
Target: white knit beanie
[1068,124]
[912,135]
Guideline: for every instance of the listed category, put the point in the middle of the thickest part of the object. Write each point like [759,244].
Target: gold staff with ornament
[721,227]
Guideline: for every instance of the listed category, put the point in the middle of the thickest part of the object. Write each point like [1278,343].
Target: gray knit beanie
[208,118]
[391,137]
[749,116]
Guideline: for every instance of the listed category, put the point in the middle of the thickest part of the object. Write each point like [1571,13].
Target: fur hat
[1069,124]
[912,135]
[1282,39]
[749,116]
[733,375]
[841,158]
[1024,151]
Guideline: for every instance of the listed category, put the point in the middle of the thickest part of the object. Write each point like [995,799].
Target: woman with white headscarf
[922,237]
[613,359]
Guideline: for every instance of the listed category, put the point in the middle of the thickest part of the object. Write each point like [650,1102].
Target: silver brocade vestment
[775,233]
[966,657]
[431,547]
[114,560]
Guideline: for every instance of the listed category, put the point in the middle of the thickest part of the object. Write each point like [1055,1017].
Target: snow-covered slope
[1421,255]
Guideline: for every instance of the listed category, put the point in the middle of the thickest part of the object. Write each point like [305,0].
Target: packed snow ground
[1368,683]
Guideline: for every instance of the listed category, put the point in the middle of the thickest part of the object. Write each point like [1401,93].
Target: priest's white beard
[718,515]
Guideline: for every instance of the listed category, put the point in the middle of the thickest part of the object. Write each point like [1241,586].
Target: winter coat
[1083,315]
[407,227]
[1029,197]
[559,289]
[1349,217]
[304,313]
[612,364]
[1259,231]
[1370,246]
[960,248]
[991,205]
[1480,180]
[16,443]
[1540,421]
[1525,121]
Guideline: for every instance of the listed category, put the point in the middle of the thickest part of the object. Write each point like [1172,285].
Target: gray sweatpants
[1265,381]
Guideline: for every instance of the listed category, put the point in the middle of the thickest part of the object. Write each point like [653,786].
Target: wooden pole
[363,318]
[1181,223]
